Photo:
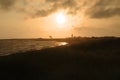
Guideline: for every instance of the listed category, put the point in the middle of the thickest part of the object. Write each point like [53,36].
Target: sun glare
[60,18]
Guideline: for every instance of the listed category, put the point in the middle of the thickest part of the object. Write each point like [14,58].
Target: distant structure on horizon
[50,37]
[72,36]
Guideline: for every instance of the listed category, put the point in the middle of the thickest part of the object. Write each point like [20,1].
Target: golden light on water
[63,43]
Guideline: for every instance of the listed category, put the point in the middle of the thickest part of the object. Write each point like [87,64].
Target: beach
[85,59]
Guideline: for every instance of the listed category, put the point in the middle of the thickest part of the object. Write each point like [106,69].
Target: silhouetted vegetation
[83,59]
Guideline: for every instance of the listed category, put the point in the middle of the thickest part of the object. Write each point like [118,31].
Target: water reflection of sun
[63,43]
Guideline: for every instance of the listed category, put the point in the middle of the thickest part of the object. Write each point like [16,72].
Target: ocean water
[8,47]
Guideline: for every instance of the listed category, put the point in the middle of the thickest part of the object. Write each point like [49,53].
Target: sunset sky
[59,18]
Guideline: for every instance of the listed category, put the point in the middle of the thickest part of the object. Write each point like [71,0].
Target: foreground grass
[84,59]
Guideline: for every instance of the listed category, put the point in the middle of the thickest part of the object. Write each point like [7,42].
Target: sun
[60,18]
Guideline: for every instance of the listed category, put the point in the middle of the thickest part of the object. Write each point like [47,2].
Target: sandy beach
[87,59]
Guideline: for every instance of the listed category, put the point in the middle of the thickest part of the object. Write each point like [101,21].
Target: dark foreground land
[83,59]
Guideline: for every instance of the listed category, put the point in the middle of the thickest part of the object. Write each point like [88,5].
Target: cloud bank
[7,4]
[43,8]
[104,9]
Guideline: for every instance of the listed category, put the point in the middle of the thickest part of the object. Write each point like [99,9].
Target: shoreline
[86,59]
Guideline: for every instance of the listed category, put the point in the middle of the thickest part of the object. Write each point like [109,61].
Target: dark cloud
[55,5]
[104,9]
[91,8]
[105,13]
[6,4]
[42,13]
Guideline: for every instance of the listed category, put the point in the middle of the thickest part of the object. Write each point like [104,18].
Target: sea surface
[8,47]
